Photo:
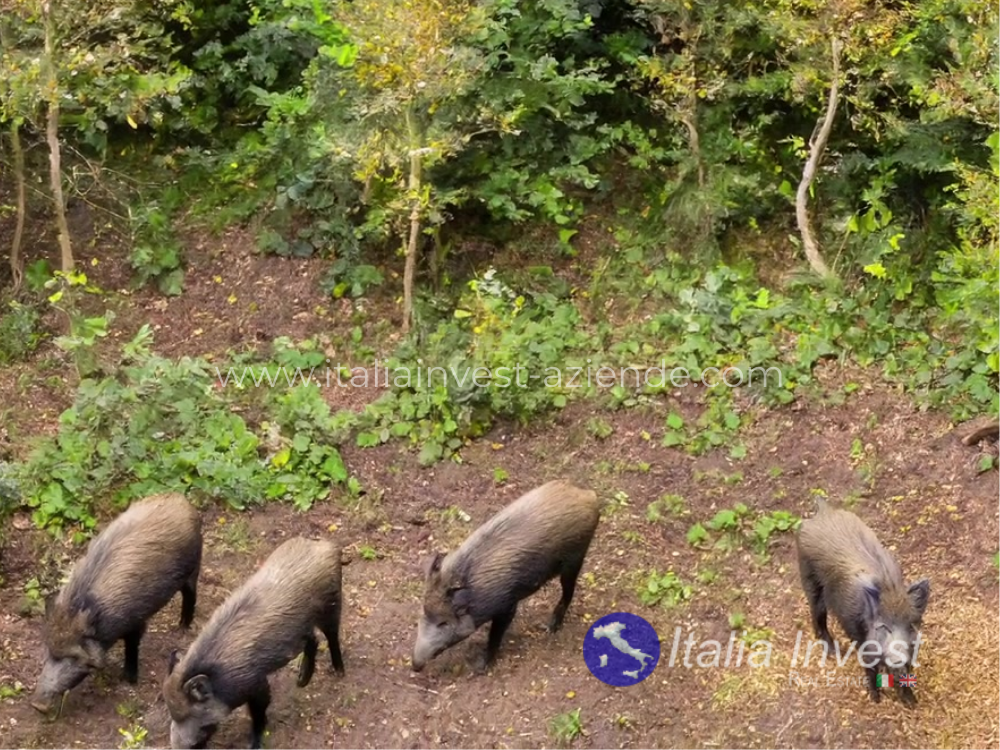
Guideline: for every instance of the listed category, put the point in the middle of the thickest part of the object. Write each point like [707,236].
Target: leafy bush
[20,332]
[500,356]
[162,426]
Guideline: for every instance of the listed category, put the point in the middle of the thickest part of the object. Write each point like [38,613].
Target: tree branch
[22,205]
[52,136]
[817,145]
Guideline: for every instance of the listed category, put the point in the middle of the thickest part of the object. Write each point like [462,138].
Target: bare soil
[911,479]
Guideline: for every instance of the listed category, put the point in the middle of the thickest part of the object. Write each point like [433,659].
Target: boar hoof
[907,697]
[481,665]
[876,695]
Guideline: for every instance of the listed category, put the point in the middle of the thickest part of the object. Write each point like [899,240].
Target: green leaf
[430,453]
[334,467]
[724,519]
[672,438]
[675,421]
[696,534]
[367,440]
[875,269]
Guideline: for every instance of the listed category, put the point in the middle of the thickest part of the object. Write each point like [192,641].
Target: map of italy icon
[621,649]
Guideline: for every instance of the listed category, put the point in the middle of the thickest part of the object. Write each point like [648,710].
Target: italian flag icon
[884,680]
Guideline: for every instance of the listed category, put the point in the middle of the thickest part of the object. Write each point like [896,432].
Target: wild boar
[260,628]
[846,570]
[544,533]
[129,573]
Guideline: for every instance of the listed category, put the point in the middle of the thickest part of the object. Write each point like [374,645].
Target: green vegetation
[740,526]
[529,190]
[667,590]
[675,505]
[162,425]
[133,738]
[9,691]
[566,727]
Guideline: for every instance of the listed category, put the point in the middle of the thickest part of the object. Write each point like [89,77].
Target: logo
[621,649]
[888,681]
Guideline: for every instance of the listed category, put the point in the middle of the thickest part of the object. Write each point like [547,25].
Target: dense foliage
[712,147]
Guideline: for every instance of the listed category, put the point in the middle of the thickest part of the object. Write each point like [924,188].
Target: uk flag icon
[909,681]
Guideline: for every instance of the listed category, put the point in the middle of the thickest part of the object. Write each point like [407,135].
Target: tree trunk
[15,246]
[416,182]
[52,136]
[817,145]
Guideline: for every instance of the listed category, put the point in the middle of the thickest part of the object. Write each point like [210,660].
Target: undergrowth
[162,425]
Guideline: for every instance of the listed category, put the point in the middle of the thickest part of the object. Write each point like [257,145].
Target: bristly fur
[262,626]
[130,572]
[543,534]
[846,571]
[536,531]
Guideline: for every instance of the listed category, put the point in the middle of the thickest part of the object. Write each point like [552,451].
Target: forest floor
[912,480]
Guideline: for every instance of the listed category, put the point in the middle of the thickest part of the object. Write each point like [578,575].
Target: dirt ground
[913,482]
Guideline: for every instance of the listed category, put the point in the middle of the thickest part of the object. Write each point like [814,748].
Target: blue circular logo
[621,649]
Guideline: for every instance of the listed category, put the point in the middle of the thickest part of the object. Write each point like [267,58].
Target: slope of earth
[913,482]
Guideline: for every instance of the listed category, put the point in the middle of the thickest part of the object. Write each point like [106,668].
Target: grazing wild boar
[129,573]
[845,570]
[260,628]
[543,534]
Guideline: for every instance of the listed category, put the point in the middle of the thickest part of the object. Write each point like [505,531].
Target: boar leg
[189,596]
[905,692]
[132,653]
[817,602]
[331,630]
[257,706]
[497,629]
[308,660]
[568,580]
[873,688]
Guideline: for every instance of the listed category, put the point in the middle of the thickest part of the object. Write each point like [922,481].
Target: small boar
[845,570]
[543,534]
[260,628]
[129,573]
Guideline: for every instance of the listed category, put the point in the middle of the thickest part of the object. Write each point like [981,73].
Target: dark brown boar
[846,570]
[544,534]
[129,573]
[260,628]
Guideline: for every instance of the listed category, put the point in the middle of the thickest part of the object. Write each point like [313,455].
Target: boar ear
[460,600]
[433,564]
[173,660]
[198,688]
[919,593]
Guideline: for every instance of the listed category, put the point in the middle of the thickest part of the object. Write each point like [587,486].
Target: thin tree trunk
[817,145]
[694,141]
[52,136]
[15,245]
[409,269]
